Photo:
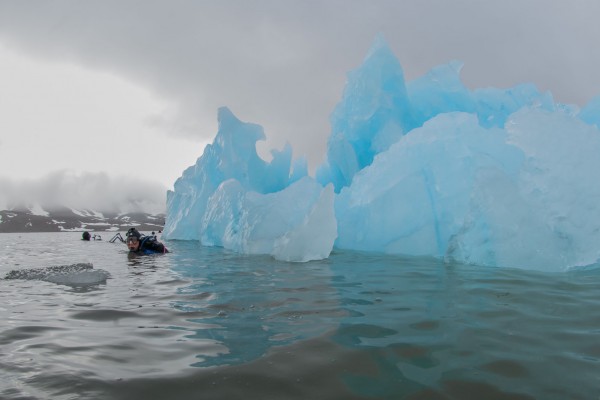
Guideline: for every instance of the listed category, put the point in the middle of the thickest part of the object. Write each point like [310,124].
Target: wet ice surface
[206,322]
[70,275]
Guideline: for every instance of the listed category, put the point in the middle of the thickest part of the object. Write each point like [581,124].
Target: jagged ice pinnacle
[493,177]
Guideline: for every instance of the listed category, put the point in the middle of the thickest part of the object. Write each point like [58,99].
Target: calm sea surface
[204,323]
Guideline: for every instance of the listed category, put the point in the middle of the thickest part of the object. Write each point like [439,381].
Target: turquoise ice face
[495,177]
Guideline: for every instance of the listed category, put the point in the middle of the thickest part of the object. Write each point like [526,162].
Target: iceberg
[233,199]
[294,224]
[492,177]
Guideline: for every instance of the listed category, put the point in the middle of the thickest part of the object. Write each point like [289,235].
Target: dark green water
[202,323]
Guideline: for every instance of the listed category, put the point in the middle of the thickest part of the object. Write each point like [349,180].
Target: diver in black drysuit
[140,244]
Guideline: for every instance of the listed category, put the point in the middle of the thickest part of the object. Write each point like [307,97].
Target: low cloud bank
[88,190]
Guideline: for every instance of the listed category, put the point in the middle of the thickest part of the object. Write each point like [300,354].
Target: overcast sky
[123,95]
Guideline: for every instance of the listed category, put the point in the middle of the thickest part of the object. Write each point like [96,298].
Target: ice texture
[373,114]
[234,199]
[490,176]
[77,275]
[294,224]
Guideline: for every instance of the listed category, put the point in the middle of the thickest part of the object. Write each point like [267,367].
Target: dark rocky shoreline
[67,220]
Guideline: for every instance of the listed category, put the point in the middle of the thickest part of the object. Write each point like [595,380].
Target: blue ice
[234,199]
[492,177]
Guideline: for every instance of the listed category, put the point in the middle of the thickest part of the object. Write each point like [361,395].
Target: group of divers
[137,242]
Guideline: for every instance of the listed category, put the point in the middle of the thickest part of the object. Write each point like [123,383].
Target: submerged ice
[494,177]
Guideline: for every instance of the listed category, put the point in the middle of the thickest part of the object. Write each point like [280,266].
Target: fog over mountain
[84,191]
[278,63]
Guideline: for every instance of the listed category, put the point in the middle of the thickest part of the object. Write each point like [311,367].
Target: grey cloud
[282,64]
[94,191]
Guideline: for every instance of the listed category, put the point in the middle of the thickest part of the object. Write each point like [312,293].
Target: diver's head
[133,243]
[133,239]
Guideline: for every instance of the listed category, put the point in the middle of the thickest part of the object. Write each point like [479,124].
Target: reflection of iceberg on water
[498,177]
[240,307]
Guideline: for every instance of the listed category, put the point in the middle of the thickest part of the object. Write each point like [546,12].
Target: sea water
[205,323]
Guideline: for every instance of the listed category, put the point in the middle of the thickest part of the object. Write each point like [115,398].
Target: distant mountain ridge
[36,219]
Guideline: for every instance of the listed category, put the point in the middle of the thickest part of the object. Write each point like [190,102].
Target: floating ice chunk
[81,278]
[81,274]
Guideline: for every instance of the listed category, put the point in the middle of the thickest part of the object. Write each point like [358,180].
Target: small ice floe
[81,274]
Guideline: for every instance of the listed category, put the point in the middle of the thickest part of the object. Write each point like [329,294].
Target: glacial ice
[294,224]
[234,199]
[76,275]
[492,177]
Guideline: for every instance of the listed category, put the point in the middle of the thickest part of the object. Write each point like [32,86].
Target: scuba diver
[141,244]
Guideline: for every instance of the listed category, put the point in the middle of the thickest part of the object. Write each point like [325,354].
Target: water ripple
[207,323]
